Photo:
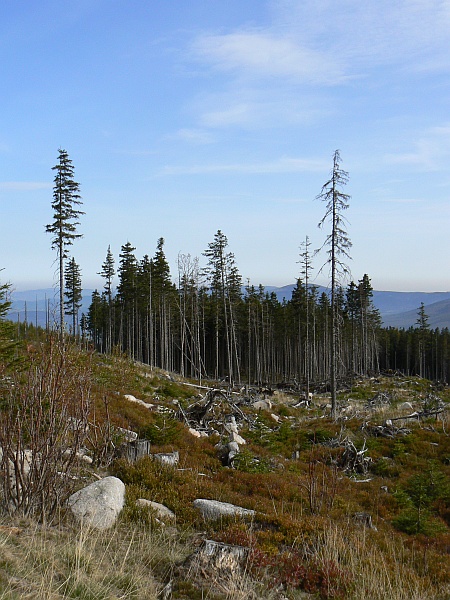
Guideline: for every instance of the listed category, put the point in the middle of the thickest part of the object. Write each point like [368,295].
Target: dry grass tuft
[52,563]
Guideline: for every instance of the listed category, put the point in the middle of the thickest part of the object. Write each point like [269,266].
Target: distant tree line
[417,351]
[209,325]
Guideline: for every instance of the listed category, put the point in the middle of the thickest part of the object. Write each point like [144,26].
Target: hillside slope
[438,316]
[356,508]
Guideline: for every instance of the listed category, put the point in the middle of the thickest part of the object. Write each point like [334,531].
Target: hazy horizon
[99,286]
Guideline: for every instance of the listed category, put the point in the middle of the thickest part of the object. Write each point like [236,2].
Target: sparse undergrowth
[306,536]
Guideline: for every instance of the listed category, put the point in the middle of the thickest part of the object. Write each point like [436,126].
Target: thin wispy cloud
[430,152]
[365,33]
[266,73]
[297,49]
[263,109]
[258,54]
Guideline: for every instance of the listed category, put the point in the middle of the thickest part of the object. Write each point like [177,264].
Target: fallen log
[418,415]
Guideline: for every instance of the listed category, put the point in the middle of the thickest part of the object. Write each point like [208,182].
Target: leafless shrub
[43,425]
[320,485]
[102,439]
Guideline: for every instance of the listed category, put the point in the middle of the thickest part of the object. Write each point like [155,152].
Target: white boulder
[194,432]
[405,406]
[162,512]
[132,398]
[235,437]
[99,504]
[213,509]
[262,405]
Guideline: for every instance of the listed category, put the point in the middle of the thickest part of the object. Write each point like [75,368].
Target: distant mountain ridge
[438,316]
[397,309]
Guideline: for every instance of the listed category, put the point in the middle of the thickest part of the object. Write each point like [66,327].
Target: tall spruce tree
[95,320]
[352,310]
[66,214]
[126,297]
[188,303]
[225,286]
[423,328]
[144,308]
[108,273]
[370,321]
[338,245]
[73,292]
[164,300]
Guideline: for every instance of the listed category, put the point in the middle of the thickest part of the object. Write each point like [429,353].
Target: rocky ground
[198,490]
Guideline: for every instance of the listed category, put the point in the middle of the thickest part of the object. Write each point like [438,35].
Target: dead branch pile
[378,401]
[212,411]
[387,430]
[353,460]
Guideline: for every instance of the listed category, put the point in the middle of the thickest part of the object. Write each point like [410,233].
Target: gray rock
[262,405]
[194,432]
[233,450]
[213,509]
[233,447]
[132,398]
[99,504]
[235,437]
[18,480]
[405,405]
[80,455]
[171,458]
[162,511]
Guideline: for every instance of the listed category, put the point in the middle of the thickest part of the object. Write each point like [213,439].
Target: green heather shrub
[419,499]
[171,389]
[384,467]
[283,411]
[320,436]
[414,521]
[163,430]
[248,463]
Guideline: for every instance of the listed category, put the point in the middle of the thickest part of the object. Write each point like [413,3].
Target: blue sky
[182,118]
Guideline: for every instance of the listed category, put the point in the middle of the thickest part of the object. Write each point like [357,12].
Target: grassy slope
[304,537]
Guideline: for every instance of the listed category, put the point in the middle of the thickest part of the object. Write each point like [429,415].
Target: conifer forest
[210,324]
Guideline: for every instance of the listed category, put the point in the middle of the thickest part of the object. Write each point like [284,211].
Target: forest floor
[355,507]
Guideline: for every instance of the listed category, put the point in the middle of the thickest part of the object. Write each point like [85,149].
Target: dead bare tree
[338,244]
